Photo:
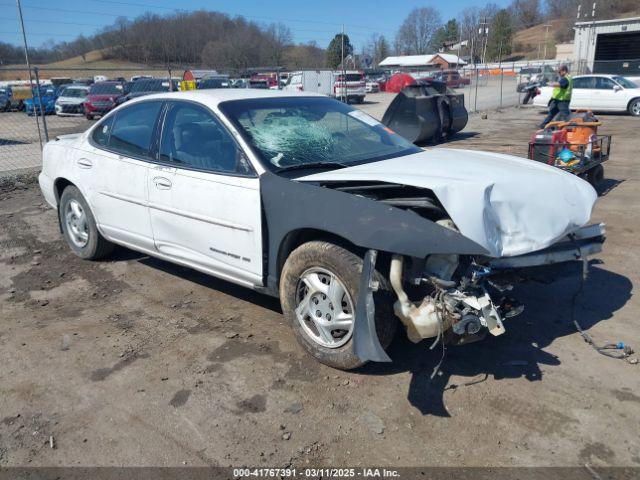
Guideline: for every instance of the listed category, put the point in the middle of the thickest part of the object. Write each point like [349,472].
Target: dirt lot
[134,361]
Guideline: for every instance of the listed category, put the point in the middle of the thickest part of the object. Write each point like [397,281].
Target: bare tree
[526,13]
[417,30]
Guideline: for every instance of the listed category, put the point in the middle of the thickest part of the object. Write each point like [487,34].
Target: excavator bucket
[426,112]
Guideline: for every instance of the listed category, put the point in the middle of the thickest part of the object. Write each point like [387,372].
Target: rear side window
[584,82]
[101,133]
[133,129]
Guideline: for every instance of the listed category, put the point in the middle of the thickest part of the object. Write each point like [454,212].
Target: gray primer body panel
[291,205]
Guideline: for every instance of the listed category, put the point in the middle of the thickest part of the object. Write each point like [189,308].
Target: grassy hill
[92,63]
[529,43]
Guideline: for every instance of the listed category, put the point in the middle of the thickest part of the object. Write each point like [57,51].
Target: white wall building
[608,46]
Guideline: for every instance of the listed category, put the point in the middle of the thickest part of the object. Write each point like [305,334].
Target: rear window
[351,77]
[74,92]
[150,85]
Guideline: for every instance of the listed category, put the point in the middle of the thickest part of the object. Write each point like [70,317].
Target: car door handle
[162,183]
[84,163]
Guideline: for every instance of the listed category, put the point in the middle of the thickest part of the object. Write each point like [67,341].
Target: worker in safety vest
[561,97]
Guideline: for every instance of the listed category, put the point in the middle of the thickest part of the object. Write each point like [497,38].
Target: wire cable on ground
[618,350]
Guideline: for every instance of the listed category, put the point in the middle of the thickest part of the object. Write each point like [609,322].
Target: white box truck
[319,81]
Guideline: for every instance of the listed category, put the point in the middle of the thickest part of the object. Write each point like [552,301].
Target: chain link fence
[30,113]
[23,128]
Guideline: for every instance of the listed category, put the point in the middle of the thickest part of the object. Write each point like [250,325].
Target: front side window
[603,83]
[305,132]
[192,137]
[133,129]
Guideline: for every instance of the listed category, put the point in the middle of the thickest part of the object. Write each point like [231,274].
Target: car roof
[214,97]
[605,75]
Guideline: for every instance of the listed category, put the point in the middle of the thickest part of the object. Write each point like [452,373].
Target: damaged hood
[507,204]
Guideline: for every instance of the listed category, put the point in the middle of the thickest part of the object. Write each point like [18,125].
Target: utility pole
[546,35]
[26,57]
[343,96]
[484,31]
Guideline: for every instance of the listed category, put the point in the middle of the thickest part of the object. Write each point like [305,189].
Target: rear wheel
[634,107]
[79,226]
[318,292]
[88,116]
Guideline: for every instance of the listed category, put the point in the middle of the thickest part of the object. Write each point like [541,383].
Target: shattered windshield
[294,132]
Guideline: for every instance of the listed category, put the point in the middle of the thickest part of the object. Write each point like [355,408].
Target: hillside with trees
[215,40]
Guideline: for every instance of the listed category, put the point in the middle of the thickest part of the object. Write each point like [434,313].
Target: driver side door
[606,96]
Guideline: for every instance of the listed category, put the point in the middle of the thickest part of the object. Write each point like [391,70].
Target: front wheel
[79,226]
[634,107]
[318,292]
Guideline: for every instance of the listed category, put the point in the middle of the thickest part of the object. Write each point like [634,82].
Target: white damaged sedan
[303,197]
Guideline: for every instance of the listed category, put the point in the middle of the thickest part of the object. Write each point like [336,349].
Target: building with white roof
[436,60]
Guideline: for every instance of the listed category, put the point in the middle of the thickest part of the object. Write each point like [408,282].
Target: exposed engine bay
[459,298]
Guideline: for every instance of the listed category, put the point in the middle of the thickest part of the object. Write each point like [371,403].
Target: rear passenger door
[122,149]
[204,197]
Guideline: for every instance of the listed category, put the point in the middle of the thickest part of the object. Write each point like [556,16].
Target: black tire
[634,107]
[595,175]
[527,97]
[88,116]
[347,267]
[96,246]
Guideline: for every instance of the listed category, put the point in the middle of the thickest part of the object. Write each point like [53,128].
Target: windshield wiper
[299,166]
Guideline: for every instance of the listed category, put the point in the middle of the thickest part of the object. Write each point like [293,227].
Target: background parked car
[351,86]
[147,86]
[221,81]
[372,86]
[102,98]
[603,93]
[319,81]
[5,99]
[452,78]
[71,100]
[44,103]
[541,74]
[240,83]
[17,95]
[264,81]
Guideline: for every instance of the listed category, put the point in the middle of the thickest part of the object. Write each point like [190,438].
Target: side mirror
[617,88]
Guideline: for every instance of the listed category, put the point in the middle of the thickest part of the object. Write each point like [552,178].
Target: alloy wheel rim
[324,308]
[635,108]
[76,222]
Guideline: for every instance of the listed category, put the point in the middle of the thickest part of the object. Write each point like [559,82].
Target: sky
[320,20]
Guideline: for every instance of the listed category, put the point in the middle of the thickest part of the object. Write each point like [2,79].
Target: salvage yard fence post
[41,108]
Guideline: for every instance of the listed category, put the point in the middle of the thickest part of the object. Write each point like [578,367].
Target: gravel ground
[134,361]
